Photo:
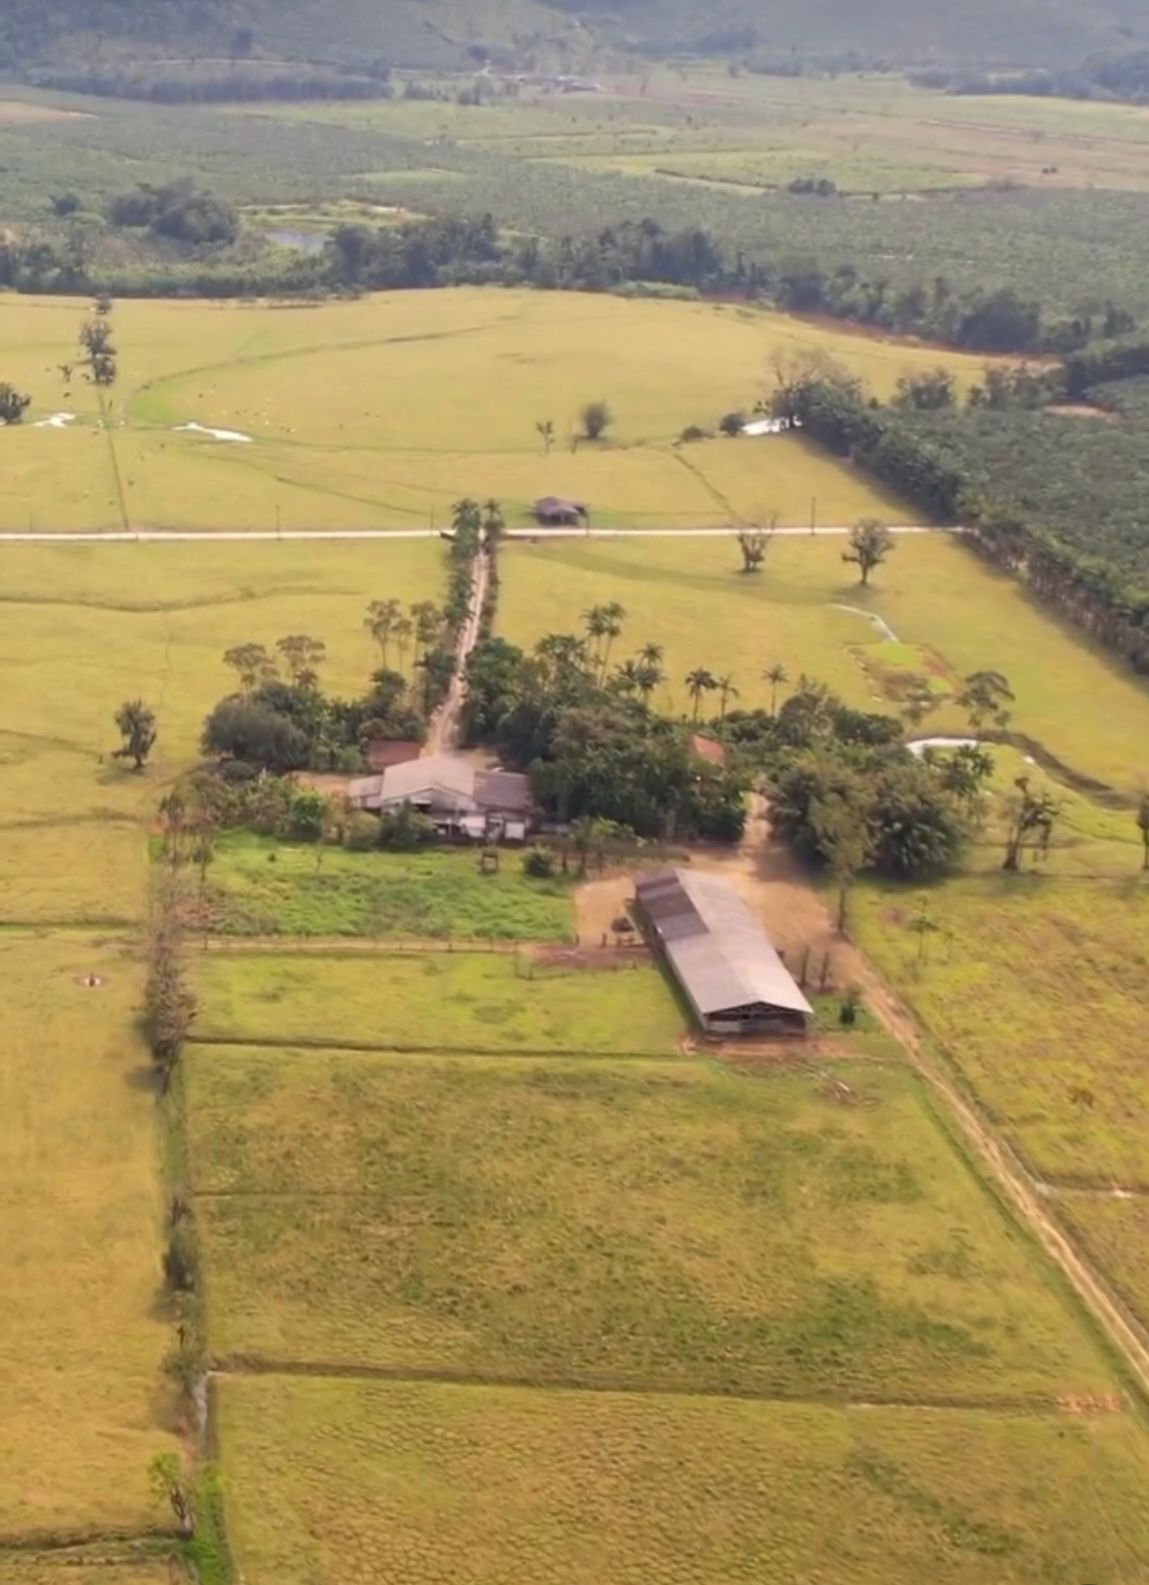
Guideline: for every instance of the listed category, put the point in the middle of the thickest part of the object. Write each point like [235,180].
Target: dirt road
[797,917]
[443,731]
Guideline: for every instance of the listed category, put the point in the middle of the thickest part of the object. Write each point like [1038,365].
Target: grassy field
[84,1405]
[957,616]
[466,1001]
[100,1566]
[1114,1229]
[365,1481]
[644,1224]
[259,886]
[314,389]
[86,627]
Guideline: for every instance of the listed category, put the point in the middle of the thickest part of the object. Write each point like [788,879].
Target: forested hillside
[449,32]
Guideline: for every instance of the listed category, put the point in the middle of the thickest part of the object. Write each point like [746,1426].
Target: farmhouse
[460,797]
[720,955]
[553,512]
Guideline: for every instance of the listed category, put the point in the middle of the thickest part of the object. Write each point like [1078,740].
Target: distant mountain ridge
[449,33]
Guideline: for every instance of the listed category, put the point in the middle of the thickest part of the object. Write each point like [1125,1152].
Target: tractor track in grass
[237,1366]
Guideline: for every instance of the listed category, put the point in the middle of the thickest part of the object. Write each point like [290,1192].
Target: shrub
[361,833]
[539,863]
[732,424]
[405,829]
[306,816]
[691,433]
[181,1271]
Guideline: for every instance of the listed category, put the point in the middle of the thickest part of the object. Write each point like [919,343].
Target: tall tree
[494,523]
[700,682]
[1143,827]
[1031,817]
[870,543]
[252,665]
[754,543]
[776,675]
[840,821]
[303,656]
[137,727]
[985,696]
[380,623]
[726,692]
[546,430]
[403,632]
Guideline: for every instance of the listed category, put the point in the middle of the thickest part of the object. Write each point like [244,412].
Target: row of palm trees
[389,624]
[645,672]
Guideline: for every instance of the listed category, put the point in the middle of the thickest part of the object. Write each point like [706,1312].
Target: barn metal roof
[720,953]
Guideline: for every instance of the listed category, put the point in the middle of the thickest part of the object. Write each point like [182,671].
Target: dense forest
[632,257]
[1122,76]
[1056,496]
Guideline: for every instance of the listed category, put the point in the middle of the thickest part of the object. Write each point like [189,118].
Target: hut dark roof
[720,953]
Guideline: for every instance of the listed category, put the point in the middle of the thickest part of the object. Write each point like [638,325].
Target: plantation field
[643,1224]
[951,613]
[83,1403]
[368,1480]
[431,1001]
[86,627]
[330,446]
[259,886]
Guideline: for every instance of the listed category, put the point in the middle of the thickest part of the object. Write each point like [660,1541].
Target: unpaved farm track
[781,894]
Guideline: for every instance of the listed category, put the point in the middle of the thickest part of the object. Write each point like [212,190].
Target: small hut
[554,512]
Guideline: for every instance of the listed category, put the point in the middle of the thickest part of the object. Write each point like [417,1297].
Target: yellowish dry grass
[431,1485]
[384,411]
[83,1404]
[1078,702]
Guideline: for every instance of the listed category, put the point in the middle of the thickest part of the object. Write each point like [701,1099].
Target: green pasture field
[1113,1228]
[434,1001]
[85,1405]
[258,886]
[1034,988]
[640,1224]
[334,446]
[361,1481]
[88,626]
[955,615]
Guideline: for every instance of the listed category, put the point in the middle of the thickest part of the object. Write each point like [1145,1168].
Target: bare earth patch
[12,110]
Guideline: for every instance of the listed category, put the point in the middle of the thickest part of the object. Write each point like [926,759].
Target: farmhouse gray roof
[448,781]
[720,953]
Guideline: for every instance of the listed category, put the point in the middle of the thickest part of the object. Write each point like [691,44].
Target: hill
[449,33]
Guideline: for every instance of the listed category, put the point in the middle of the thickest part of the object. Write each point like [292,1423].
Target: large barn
[720,955]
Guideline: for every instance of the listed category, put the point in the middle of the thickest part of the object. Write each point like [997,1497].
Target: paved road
[146,536]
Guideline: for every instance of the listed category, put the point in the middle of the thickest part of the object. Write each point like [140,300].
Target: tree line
[633,256]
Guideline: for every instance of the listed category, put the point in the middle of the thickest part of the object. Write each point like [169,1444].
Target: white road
[146,536]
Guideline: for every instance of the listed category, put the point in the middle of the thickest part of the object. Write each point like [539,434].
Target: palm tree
[629,676]
[380,623]
[698,682]
[650,674]
[726,691]
[775,675]
[466,518]
[651,654]
[614,616]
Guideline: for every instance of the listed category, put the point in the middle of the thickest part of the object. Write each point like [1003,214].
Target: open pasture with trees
[262,887]
[329,444]
[87,627]
[950,614]
[429,1001]
[642,1224]
[462,1483]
